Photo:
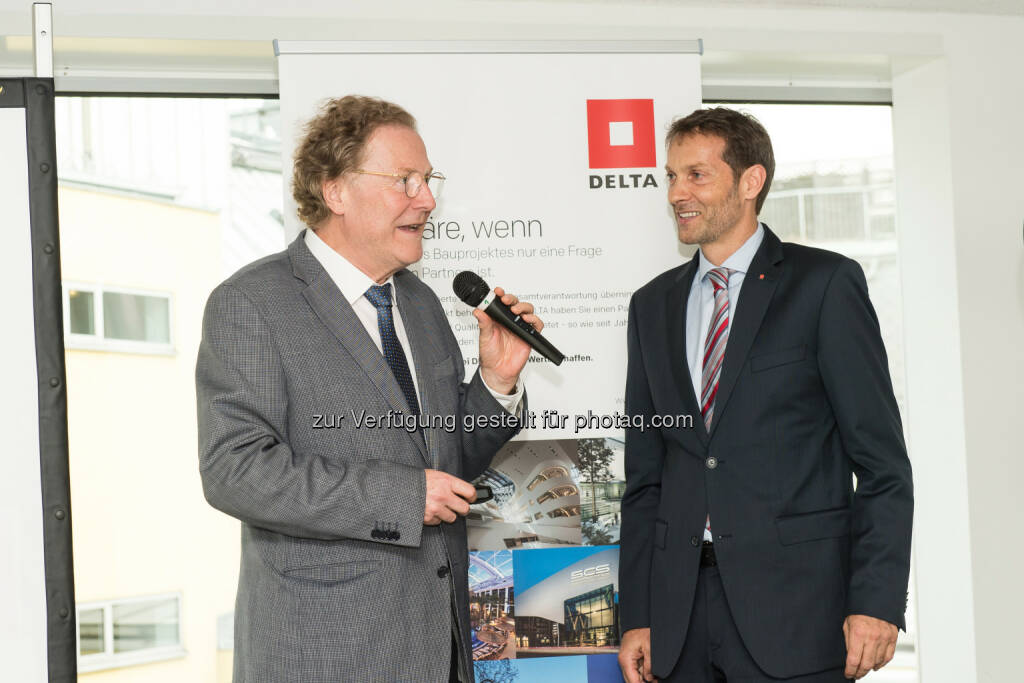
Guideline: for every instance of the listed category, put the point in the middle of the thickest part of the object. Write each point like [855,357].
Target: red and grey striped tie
[714,351]
[714,344]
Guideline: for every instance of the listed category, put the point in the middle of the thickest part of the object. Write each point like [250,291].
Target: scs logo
[590,573]
[620,135]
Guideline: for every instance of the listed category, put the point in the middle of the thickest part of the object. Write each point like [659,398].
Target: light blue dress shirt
[701,305]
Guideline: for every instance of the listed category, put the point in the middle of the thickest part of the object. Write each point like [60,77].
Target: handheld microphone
[472,289]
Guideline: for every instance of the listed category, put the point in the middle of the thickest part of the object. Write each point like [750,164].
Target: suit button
[694,541]
[442,571]
[711,463]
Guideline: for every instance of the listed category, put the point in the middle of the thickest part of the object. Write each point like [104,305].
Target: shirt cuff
[513,402]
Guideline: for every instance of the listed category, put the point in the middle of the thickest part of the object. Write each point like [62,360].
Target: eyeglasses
[413,181]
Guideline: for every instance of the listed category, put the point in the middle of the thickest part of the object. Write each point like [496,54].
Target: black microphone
[472,289]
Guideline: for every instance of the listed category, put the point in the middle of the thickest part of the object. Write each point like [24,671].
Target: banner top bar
[321,47]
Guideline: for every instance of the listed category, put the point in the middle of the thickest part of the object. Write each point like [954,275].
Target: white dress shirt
[701,305]
[353,284]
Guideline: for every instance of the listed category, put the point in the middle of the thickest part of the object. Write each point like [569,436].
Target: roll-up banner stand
[37,569]
[554,156]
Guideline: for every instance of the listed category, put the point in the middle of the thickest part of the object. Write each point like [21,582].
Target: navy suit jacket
[804,402]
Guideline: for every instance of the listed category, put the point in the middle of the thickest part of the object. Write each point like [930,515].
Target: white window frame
[97,342]
[108,659]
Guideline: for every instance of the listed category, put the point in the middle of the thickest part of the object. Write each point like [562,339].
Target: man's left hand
[870,644]
[502,353]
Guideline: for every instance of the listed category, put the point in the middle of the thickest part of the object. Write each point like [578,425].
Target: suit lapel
[676,301]
[337,315]
[755,296]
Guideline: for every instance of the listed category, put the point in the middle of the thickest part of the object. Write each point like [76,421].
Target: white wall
[958,96]
[935,401]
[986,98]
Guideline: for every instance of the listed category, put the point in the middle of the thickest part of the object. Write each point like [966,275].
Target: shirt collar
[739,260]
[352,282]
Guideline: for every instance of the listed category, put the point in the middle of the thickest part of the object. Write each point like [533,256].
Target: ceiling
[230,40]
[477,9]
[1009,7]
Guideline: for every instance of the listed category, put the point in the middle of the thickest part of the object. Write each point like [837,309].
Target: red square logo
[620,133]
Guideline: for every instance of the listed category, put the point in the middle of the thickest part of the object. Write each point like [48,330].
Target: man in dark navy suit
[748,554]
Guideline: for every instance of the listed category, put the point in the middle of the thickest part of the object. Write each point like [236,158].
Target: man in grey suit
[333,422]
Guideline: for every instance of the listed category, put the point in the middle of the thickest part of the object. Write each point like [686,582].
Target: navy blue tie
[380,297]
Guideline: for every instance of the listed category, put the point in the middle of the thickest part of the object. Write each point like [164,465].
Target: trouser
[453,677]
[714,651]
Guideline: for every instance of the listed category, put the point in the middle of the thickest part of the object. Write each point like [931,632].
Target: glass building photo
[566,601]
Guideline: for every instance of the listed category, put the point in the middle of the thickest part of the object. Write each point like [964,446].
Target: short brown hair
[746,141]
[333,144]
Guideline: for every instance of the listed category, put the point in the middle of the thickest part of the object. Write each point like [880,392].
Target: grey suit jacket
[340,580]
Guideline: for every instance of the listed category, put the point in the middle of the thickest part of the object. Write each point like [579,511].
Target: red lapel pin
[761,277]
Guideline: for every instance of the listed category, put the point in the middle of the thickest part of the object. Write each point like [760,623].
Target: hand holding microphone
[506,319]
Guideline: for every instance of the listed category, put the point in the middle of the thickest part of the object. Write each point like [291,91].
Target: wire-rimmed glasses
[413,181]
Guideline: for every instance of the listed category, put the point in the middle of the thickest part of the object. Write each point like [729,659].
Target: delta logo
[620,135]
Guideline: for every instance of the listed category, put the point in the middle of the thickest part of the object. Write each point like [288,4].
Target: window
[90,631]
[160,199]
[132,631]
[590,618]
[112,319]
[834,189]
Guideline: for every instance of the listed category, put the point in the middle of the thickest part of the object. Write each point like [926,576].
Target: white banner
[22,573]
[555,188]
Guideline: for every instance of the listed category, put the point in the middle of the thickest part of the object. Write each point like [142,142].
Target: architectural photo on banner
[536,500]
